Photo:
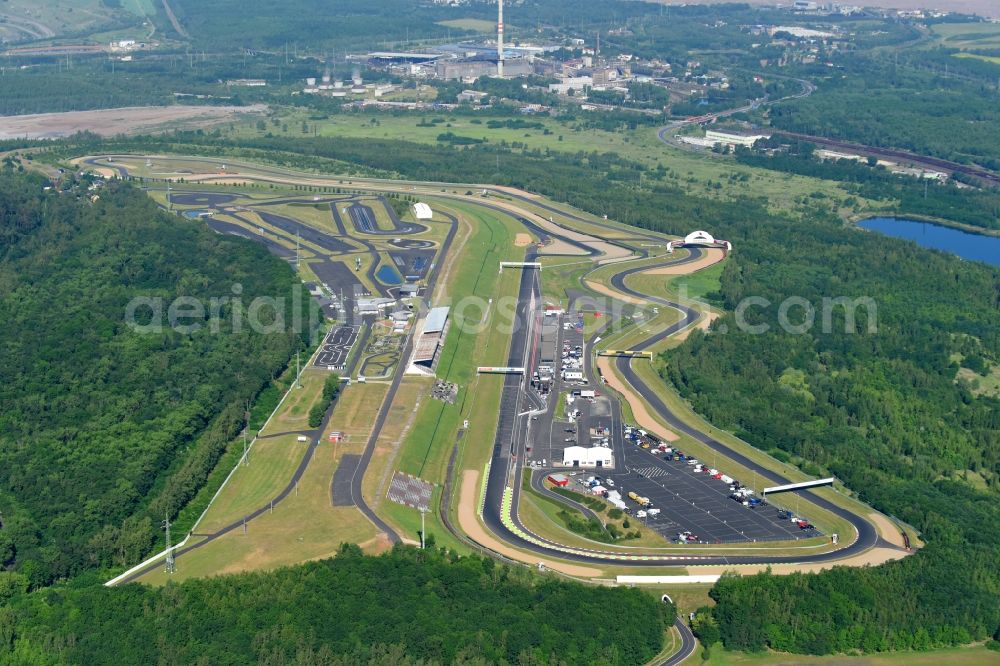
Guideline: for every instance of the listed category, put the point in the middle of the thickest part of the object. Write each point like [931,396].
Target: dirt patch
[887,530]
[872,557]
[514,190]
[380,543]
[642,416]
[702,325]
[608,291]
[470,524]
[111,122]
[218,180]
[522,240]
[557,247]
[711,256]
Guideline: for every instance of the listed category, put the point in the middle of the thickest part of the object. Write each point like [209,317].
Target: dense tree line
[405,607]
[916,196]
[905,100]
[331,389]
[882,411]
[104,428]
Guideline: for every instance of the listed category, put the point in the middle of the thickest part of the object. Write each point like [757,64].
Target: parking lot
[684,502]
[696,502]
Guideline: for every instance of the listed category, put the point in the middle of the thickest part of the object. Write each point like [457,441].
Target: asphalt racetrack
[505,452]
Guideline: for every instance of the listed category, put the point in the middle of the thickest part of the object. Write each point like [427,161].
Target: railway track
[918,160]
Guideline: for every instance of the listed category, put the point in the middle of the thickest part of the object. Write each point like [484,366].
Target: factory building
[473,68]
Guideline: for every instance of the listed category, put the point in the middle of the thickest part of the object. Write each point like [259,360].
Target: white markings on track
[651,472]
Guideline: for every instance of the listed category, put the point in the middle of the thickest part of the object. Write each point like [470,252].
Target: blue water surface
[975,247]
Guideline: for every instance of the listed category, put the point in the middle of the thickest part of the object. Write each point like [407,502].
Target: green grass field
[960,656]
[478,25]
[991,59]
[426,449]
[967,35]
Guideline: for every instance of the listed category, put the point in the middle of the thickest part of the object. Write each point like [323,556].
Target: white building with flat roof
[728,139]
[594,456]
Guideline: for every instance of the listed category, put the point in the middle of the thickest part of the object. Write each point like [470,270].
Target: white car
[611,483]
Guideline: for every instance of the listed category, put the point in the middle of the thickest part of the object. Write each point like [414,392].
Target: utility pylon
[171,564]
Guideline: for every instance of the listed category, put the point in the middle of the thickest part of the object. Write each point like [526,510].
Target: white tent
[423,211]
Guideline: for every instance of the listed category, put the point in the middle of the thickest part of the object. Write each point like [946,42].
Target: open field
[109,122]
[479,25]
[976,655]
[304,526]
[991,59]
[43,19]
[969,35]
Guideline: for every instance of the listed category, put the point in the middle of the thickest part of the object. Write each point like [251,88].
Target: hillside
[104,429]
[405,608]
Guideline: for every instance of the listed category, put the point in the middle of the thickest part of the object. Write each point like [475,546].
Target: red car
[717,476]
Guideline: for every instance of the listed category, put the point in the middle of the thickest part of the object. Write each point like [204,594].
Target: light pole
[423,512]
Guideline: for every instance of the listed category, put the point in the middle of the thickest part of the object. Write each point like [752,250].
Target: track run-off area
[476,452]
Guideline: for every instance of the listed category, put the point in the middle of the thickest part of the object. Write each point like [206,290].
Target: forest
[407,607]
[105,429]
[881,411]
[925,101]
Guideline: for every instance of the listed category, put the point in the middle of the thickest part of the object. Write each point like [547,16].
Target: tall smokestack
[500,38]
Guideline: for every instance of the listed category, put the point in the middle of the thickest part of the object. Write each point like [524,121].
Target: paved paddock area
[337,347]
[410,491]
[340,487]
[695,502]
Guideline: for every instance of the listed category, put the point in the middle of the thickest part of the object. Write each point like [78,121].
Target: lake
[975,247]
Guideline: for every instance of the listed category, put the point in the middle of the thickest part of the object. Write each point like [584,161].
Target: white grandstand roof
[436,318]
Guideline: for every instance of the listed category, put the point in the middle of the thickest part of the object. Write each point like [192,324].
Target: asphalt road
[688,644]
